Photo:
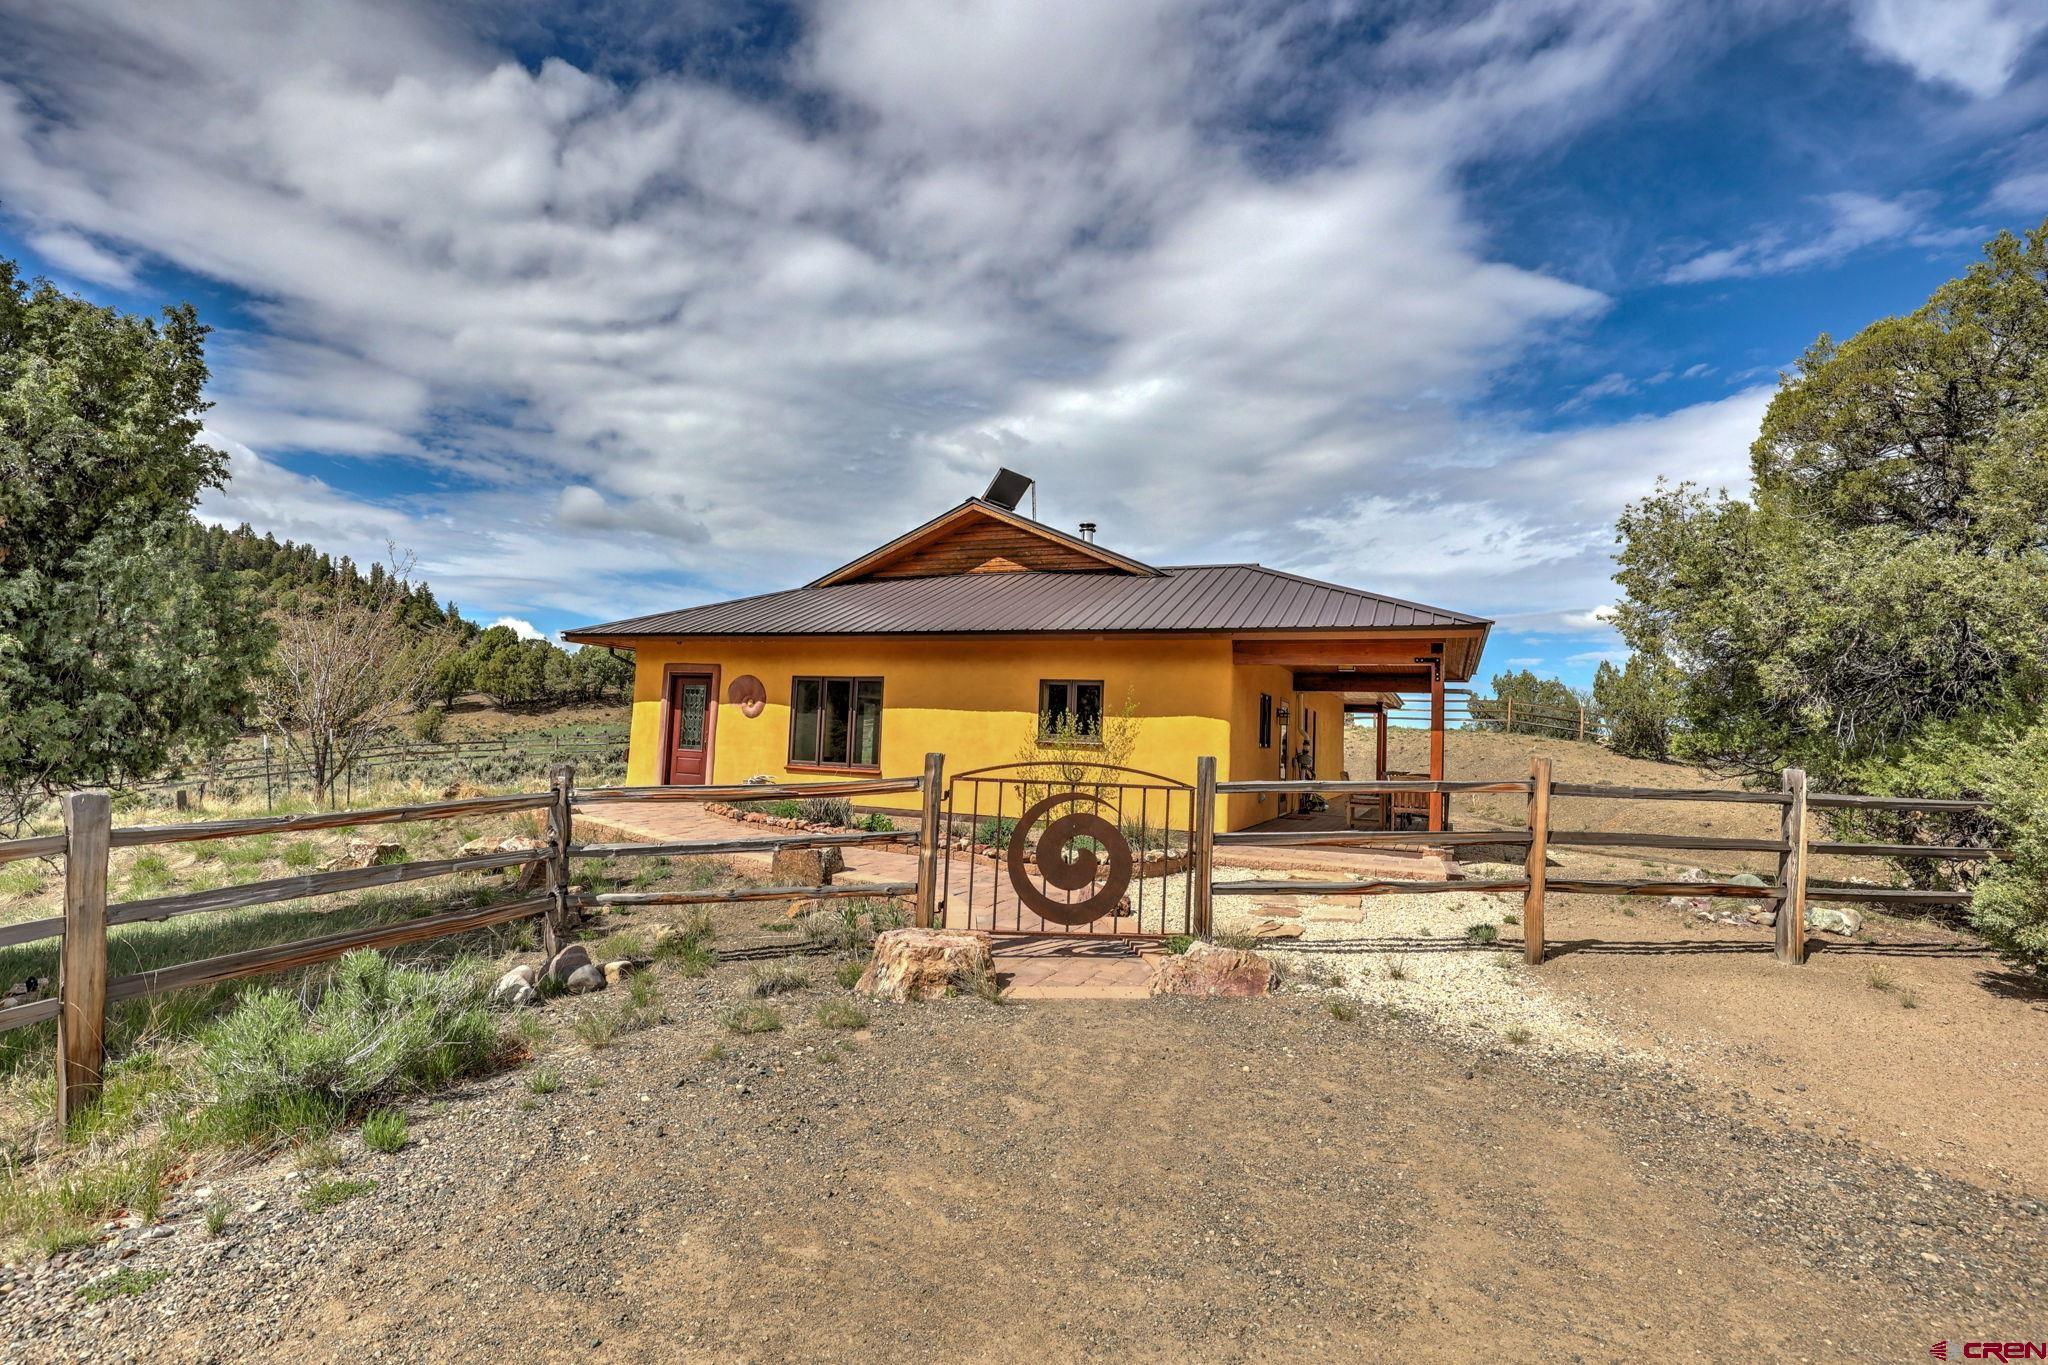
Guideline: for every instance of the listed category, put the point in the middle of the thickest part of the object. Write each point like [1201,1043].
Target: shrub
[1481,933]
[782,808]
[874,822]
[429,723]
[1517,1035]
[1179,943]
[2010,907]
[385,1131]
[376,1031]
[995,831]
[825,810]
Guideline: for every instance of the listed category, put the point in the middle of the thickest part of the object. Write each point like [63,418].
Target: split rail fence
[1794,846]
[85,988]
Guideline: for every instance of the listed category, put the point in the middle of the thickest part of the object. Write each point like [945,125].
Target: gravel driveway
[1157,1180]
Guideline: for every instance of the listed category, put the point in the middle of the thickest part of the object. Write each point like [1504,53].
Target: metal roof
[1192,597]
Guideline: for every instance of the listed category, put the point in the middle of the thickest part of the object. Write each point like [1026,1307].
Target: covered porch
[1369,675]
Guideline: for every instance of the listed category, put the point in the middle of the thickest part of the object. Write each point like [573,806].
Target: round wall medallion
[747,693]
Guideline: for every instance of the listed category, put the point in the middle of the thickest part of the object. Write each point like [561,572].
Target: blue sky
[604,310]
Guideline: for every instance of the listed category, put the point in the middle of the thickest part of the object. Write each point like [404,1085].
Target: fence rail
[1790,892]
[85,988]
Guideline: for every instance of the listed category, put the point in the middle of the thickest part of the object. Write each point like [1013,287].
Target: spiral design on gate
[1069,868]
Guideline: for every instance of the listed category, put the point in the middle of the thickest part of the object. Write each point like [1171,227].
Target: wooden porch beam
[1362,680]
[1364,653]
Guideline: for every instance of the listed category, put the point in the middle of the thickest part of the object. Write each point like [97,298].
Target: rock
[806,866]
[615,972]
[519,995]
[477,847]
[921,964]
[1212,972]
[1767,918]
[589,977]
[567,961]
[1748,879]
[534,875]
[370,852]
[1273,928]
[1834,919]
[512,983]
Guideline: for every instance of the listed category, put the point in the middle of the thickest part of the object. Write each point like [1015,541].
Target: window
[1059,699]
[1265,720]
[835,722]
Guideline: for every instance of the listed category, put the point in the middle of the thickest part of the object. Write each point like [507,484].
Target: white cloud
[76,255]
[523,629]
[1852,222]
[2026,192]
[1972,45]
[605,330]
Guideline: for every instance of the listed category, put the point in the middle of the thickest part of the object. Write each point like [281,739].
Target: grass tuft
[841,1014]
[216,1218]
[1481,933]
[325,1194]
[123,1283]
[752,1019]
[545,1080]
[385,1130]
[848,973]
[776,978]
[1343,1011]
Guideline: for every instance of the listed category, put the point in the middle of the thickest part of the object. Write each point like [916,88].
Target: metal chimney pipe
[1088,531]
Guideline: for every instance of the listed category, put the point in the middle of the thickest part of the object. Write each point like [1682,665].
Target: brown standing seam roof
[1192,597]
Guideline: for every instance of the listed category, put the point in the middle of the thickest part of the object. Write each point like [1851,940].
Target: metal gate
[1068,849]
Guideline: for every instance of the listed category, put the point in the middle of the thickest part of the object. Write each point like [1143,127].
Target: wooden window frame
[853,681]
[1073,704]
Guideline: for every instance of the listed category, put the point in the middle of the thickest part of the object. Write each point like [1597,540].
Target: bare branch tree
[345,669]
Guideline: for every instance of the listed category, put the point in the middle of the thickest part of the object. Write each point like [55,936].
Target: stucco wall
[1250,763]
[974,700]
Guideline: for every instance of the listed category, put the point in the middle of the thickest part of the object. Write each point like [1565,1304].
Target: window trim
[1073,705]
[1265,720]
[816,765]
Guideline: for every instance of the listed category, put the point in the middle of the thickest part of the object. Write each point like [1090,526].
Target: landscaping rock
[370,852]
[615,972]
[567,961]
[1273,928]
[518,996]
[1748,879]
[806,866]
[511,983]
[534,875]
[1215,973]
[923,964]
[589,977]
[1834,919]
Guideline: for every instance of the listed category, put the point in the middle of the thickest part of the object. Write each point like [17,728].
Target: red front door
[689,729]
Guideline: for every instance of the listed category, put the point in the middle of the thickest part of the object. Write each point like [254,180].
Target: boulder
[567,961]
[920,964]
[589,977]
[1215,973]
[615,972]
[1748,879]
[370,852]
[512,983]
[519,996]
[531,876]
[1834,919]
[806,866]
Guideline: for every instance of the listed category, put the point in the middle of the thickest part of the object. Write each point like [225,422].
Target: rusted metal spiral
[1082,869]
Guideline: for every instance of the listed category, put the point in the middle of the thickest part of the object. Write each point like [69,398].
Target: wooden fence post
[929,834]
[1538,861]
[1792,872]
[1202,848]
[561,777]
[82,963]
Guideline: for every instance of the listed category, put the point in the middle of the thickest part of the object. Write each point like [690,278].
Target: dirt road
[1165,1180]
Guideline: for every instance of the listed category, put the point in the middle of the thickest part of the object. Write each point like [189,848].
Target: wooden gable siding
[984,547]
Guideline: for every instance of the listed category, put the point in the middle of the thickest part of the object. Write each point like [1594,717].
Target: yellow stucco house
[959,636]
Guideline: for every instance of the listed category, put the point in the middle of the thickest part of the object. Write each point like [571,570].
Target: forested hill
[285,575]
[271,575]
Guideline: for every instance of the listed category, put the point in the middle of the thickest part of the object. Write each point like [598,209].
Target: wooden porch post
[1379,772]
[1436,742]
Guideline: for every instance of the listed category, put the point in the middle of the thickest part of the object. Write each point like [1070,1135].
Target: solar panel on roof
[1007,489]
